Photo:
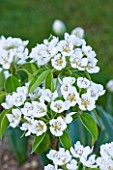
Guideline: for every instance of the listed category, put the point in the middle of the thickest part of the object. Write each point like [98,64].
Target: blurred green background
[32,20]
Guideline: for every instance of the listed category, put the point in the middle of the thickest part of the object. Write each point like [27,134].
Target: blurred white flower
[59,27]
[109,85]
[14,118]
[78,31]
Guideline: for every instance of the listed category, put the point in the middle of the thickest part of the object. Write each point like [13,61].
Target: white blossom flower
[48,96]
[89,161]
[71,97]
[95,90]
[23,90]
[66,46]
[77,61]
[87,50]
[72,165]
[42,53]
[78,31]
[9,102]
[5,59]
[52,155]
[68,119]
[14,118]
[18,98]
[12,43]
[36,94]
[86,160]
[74,40]
[39,109]
[59,27]
[58,62]
[63,156]
[66,84]
[39,127]
[82,82]
[68,80]
[91,65]
[28,126]
[60,157]
[77,151]
[21,57]
[58,106]
[57,126]
[86,102]
[106,156]
[28,109]
[12,50]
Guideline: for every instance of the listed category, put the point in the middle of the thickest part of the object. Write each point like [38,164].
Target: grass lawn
[32,19]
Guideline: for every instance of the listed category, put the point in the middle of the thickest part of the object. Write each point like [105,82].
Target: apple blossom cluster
[72,51]
[105,161]
[80,155]
[77,154]
[12,50]
[33,108]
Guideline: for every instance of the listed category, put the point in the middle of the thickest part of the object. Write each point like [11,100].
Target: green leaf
[41,143]
[11,84]
[106,121]
[66,140]
[3,122]
[90,124]
[37,141]
[2,95]
[2,80]
[37,80]
[18,145]
[30,68]
[49,82]
[23,76]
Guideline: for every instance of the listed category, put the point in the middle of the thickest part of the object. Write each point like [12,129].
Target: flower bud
[59,27]
[109,85]
[78,31]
